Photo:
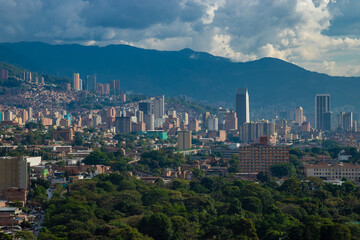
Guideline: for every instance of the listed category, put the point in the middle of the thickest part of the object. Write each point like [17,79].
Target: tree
[234,164]
[198,173]
[26,235]
[183,229]
[335,231]
[263,177]
[252,204]
[158,226]
[281,170]
[291,185]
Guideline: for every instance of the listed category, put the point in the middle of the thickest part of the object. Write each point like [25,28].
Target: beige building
[333,171]
[184,140]
[13,172]
[259,157]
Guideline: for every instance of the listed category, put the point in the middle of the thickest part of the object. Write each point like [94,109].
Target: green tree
[158,226]
[335,231]
[26,235]
[281,170]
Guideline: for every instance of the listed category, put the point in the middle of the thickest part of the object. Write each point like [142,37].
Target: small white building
[34,161]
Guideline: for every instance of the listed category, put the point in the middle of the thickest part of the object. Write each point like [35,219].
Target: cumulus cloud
[321,35]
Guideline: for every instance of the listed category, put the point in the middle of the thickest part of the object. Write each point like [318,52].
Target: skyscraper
[322,106]
[149,121]
[158,104]
[146,107]
[76,79]
[242,106]
[213,123]
[345,121]
[299,115]
[91,82]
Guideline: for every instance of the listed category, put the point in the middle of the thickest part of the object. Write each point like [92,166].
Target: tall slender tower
[158,104]
[299,115]
[242,106]
[322,106]
[76,81]
[91,82]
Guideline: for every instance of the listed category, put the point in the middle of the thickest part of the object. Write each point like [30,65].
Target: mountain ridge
[199,75]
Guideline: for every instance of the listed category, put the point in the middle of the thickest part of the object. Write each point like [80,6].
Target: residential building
[123,124]
[259,158]
[184,140]
[13,172]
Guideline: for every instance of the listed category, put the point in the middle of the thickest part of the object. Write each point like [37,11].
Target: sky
[319,35]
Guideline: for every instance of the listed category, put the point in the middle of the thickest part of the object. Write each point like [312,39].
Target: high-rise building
[231,121]
[76,79]
[213,123]
[30,113]
[27,76]
[299,115]
[149,120]
[251,132]
[25,115]
[139,116]
[117,87]
[345,121]
[327,116]
[184,140]
[8,115]
[322,106]
[158,106]
[348,121]
[242,106]
[123,124]
[91,82]
[13,172]
[146,107]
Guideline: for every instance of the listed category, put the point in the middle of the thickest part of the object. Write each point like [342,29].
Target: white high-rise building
[213,124]
[242,106]
[299,115]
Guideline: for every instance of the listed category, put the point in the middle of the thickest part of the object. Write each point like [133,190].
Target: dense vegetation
[118,206]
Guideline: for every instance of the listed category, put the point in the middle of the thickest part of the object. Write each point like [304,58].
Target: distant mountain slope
[195,74]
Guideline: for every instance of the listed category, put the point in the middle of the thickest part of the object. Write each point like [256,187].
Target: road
[50,193]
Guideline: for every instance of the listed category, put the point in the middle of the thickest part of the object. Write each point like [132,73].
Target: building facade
[256,158]
[13,172]
[333,171]
[242,106]
[322,106]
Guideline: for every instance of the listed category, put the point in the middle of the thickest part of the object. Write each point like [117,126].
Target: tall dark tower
[242,106]
[322,112]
